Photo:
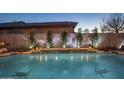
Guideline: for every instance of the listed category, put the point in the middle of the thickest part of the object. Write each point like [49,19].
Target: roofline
[21,24]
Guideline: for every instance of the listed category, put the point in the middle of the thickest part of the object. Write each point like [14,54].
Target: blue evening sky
[86,20]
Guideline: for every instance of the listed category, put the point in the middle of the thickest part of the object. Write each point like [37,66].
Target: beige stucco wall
[16,41]
[112,40]
[39,30]
[20,38]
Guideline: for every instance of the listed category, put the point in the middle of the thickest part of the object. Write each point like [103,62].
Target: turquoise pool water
[63,66]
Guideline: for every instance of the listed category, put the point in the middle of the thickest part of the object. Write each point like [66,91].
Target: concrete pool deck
[7,54]
[121,52]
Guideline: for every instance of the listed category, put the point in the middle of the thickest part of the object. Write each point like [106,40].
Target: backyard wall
[112,40]
[16,41]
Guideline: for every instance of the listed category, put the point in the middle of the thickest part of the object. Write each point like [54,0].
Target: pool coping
[61,50]
[29,52]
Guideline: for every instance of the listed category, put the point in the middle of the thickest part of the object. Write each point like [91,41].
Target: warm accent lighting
[30,46]
[2,43]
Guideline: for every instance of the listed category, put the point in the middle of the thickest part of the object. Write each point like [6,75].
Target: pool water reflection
[63,66]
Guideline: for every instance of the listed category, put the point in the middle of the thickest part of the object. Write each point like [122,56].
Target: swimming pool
[63,66]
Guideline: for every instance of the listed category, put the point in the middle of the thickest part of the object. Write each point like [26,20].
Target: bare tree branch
[114,23]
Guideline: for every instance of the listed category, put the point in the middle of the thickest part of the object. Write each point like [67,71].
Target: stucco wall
[16,41]
[112,40]
[38,30]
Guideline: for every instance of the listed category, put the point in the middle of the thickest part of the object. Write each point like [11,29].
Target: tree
[32,39]
[115,23]
[79,37]
[103,27]
[64,38]
[49,40]
[86,30]
[94,37]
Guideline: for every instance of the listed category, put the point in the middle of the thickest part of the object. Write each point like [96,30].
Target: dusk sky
[85,20]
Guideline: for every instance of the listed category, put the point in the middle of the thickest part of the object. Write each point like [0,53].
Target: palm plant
[95,37]
[79,38]
[49,40]
[32,39]
[64,38]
